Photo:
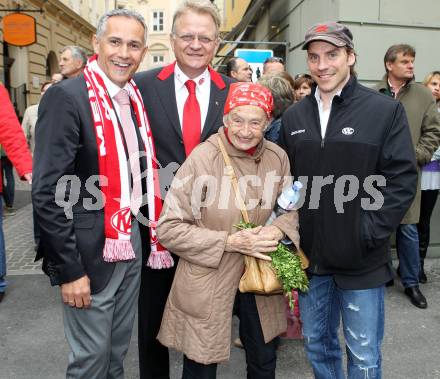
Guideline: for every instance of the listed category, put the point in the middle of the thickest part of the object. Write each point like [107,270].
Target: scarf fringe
[118,250]
[160,259]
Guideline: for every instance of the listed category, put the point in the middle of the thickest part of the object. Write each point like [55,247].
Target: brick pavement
[20,254]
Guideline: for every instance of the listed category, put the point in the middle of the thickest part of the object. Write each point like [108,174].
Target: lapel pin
[216,103]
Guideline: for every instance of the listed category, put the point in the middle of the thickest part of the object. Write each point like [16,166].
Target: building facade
[24,69]
[376,25]
[158,15]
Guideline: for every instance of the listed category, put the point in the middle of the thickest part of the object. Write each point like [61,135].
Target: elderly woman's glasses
[189,38]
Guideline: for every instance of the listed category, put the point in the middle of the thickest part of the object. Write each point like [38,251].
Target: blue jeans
[407,244]
[362,314]
[3,282]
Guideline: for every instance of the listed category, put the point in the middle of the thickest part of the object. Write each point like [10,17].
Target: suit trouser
[155,287]
[99,336]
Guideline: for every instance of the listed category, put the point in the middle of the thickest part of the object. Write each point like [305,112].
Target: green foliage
[287,265]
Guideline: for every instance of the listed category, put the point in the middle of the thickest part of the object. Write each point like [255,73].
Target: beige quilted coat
[198,314]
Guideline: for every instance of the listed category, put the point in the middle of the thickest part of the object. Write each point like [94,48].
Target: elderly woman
[197,224]
[430,183]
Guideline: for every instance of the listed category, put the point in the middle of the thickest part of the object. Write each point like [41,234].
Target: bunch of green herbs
[288,268]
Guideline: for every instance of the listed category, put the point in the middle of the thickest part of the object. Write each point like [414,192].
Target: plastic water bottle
[285,203]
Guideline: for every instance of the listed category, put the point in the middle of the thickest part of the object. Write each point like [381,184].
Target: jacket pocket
[193,289]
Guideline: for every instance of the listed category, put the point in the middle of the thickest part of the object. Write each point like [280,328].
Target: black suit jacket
[158,93]
[66,145]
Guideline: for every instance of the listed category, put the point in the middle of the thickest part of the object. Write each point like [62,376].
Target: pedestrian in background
[198,315]
[346,242]
[8,181]
[424,124]
[184,102]
[28,124]
[14,143]
[430,184]
[273,64]
[239,69]
[303,86]
[72,61]
[282,93]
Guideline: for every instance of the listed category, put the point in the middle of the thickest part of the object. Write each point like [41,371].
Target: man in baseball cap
[331,32]
[344,135]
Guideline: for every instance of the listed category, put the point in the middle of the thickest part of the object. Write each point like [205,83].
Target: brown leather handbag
[259,276]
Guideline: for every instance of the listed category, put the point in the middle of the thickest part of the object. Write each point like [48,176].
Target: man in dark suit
[182,114]
[86,134]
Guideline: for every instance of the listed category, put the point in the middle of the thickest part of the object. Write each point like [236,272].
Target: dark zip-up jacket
[367,134]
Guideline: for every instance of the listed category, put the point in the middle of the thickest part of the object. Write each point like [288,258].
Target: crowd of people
[135,206]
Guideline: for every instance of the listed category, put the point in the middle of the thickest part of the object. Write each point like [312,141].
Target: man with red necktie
[184,102]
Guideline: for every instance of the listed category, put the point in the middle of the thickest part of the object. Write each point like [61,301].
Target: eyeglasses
[274,60]
[189,38]
[307,76]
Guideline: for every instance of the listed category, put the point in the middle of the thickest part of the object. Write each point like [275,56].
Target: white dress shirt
[203,91]
[324,114]
[112,90]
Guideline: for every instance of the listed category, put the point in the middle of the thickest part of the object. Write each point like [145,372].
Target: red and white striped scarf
[113,167]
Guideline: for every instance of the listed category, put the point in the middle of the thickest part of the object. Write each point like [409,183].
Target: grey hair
[281,90]
[129,13]
[78,53]
[200,7]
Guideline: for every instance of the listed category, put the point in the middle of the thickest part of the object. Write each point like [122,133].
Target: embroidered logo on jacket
[297,132]
[348,131]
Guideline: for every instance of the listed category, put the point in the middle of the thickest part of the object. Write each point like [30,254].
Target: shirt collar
[181,77]
[393,90]
[111,87]
[318,95]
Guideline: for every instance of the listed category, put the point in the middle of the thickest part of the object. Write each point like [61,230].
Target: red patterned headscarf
[244,93]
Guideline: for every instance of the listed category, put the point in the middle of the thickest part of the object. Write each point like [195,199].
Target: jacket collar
[346,94]
[216,78]
[384,87]
[232,151]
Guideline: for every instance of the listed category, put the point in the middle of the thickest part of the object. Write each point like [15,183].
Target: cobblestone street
[20,252]
[32,343]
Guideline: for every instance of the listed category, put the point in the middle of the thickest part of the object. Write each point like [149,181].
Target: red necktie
[191,119]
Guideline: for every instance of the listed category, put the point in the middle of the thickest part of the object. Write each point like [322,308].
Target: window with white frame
[158,59]
[157,21]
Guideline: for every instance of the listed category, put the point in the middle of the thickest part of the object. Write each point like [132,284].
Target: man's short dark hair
[231,66]
[393,51]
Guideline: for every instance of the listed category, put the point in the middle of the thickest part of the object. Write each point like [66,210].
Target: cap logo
[321,29]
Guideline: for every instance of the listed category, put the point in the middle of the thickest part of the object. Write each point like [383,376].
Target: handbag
[259,276]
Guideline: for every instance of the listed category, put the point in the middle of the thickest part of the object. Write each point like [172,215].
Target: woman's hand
[256,242]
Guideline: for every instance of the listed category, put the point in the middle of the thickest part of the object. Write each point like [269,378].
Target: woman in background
[430,184]
[282,93]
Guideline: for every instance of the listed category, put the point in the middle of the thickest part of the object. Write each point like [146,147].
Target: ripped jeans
[362,314]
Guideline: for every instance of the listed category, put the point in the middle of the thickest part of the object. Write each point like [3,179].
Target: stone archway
[51,64]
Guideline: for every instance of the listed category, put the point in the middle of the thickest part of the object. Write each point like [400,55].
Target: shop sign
[19,29]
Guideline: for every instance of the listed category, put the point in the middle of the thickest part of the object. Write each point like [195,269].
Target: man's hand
[253,243]
[77,293]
